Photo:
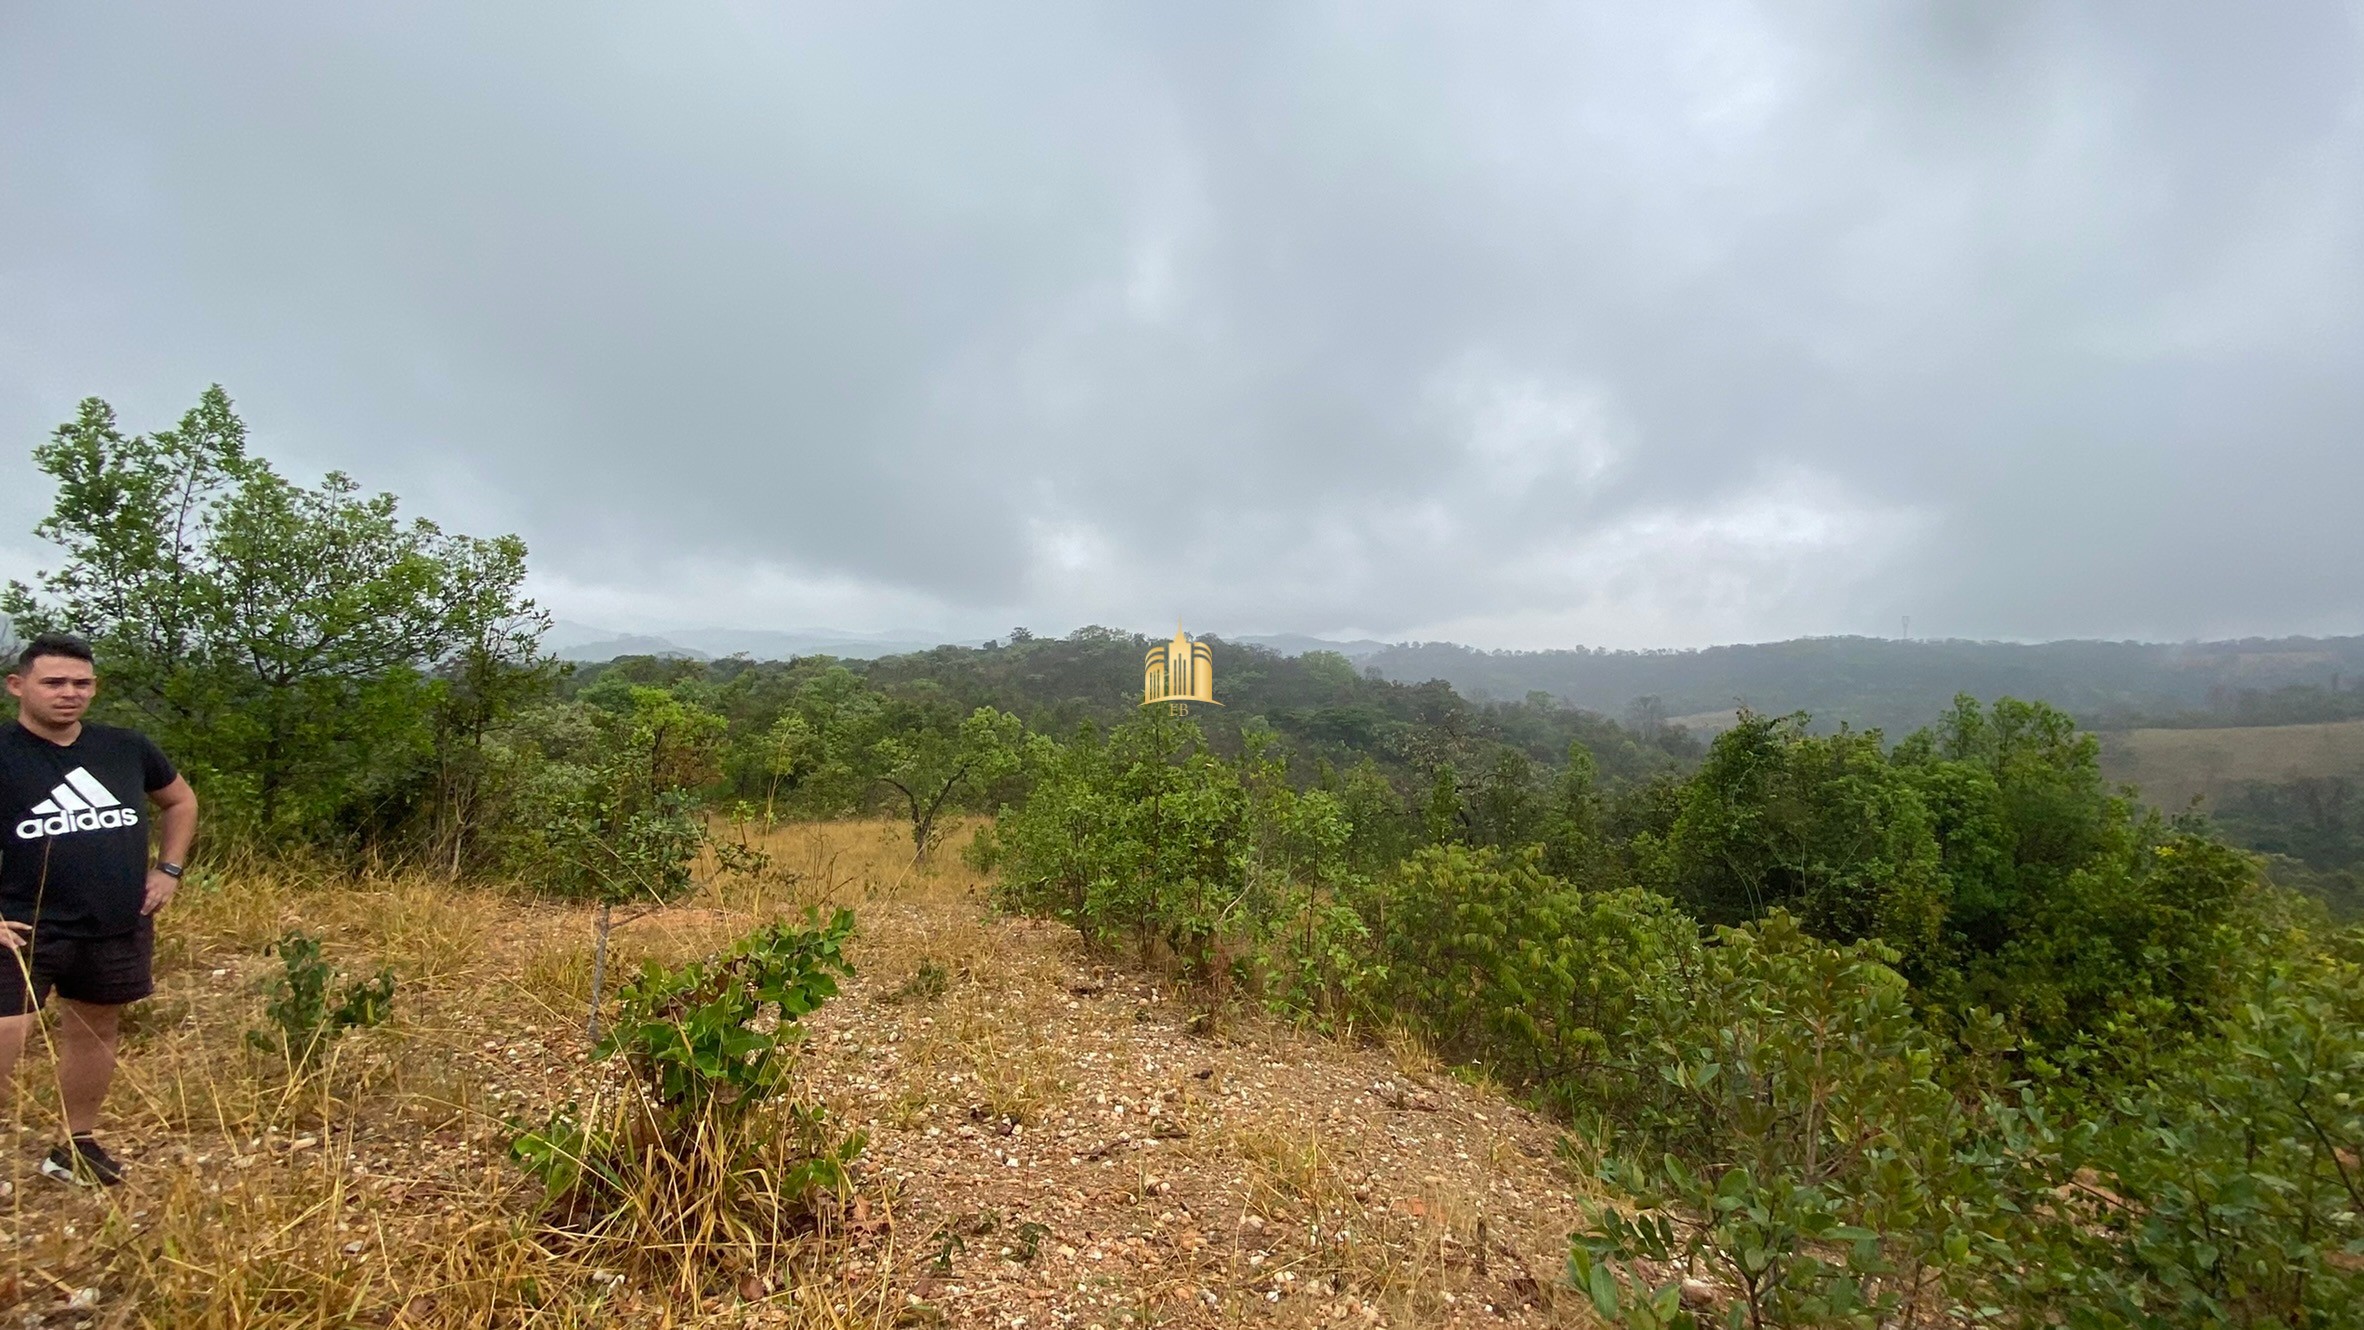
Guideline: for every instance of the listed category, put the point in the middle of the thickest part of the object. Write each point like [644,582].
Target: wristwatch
[169,870]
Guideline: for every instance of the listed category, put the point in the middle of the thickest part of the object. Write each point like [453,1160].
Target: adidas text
[79,803]
[89,819]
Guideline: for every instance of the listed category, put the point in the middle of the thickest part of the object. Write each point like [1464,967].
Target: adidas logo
[79,803]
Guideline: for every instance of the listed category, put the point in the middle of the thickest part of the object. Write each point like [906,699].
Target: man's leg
[13,1030]
[20,1012]
[86,1033]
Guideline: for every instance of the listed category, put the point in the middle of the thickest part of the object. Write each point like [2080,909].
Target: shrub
[2079,917]
[597,816]
[304,1022]
[1502,964]
[1139,836]
[690,1035]
[1320,967]
[1793,1138]
[703,1153]
[604,811]
[2224,1188]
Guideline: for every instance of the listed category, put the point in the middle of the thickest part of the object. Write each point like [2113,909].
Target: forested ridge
[1896,684]
[1324,713]
[1851,1027]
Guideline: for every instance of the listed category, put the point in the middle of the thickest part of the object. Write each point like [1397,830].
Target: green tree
[1380,828]
[610,813]
[1571,826]
[483,690]
[785,753]
[285,641]
[1821,826]
[2068,909]
[932,766]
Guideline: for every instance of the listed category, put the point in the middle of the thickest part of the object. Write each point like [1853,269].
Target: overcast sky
[1606,324]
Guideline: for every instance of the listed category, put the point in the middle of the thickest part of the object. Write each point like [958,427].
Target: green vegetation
[1969,1029]
[1864,1033]
[691,1158]
[2313,829]
[304,1022]
[2285,791]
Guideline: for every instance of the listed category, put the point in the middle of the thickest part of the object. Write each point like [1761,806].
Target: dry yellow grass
[2173,767]
[1047,1140]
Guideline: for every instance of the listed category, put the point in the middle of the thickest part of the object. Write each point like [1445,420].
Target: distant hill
[578,641]
[1297,644]
[1894,685]
[583,642]
[1324,708]
[608,648]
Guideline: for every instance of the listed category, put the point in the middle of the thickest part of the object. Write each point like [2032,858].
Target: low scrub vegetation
[1865,1035]
[303,1019]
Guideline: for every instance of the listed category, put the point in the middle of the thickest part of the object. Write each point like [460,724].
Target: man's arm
[175,807]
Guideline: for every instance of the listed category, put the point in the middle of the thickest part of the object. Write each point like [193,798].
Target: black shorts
[103,971]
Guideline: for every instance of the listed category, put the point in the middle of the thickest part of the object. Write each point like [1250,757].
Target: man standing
[78,897]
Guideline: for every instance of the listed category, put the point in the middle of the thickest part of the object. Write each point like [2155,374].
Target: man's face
[53,690]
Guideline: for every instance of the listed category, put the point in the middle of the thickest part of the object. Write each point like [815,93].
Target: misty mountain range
[1890,684]
[577,641]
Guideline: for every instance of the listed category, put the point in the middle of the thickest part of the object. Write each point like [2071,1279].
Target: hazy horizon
[1523,328]
[567,632]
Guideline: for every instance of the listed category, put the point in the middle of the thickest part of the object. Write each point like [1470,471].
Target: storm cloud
[1518,325]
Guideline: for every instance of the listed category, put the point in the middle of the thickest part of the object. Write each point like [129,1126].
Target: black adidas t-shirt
[74,828]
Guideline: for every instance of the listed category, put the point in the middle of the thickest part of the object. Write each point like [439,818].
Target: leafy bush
[606,809]
[690,1035]
[1819,825]
[1986,851]
[304,1022]
[702,1152]
[1168,866]
[1144,836]
[1791,1135]
[1139,836]
[1319,967]
[2224,1188]
[1807,1144]
[1504,965]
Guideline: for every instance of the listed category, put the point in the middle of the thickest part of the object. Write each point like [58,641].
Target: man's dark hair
[55,644]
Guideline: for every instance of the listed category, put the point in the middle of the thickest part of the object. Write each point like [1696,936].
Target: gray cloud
[1525,325]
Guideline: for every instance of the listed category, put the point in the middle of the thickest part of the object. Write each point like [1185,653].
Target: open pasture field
[2173,767]
[1054,1138]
